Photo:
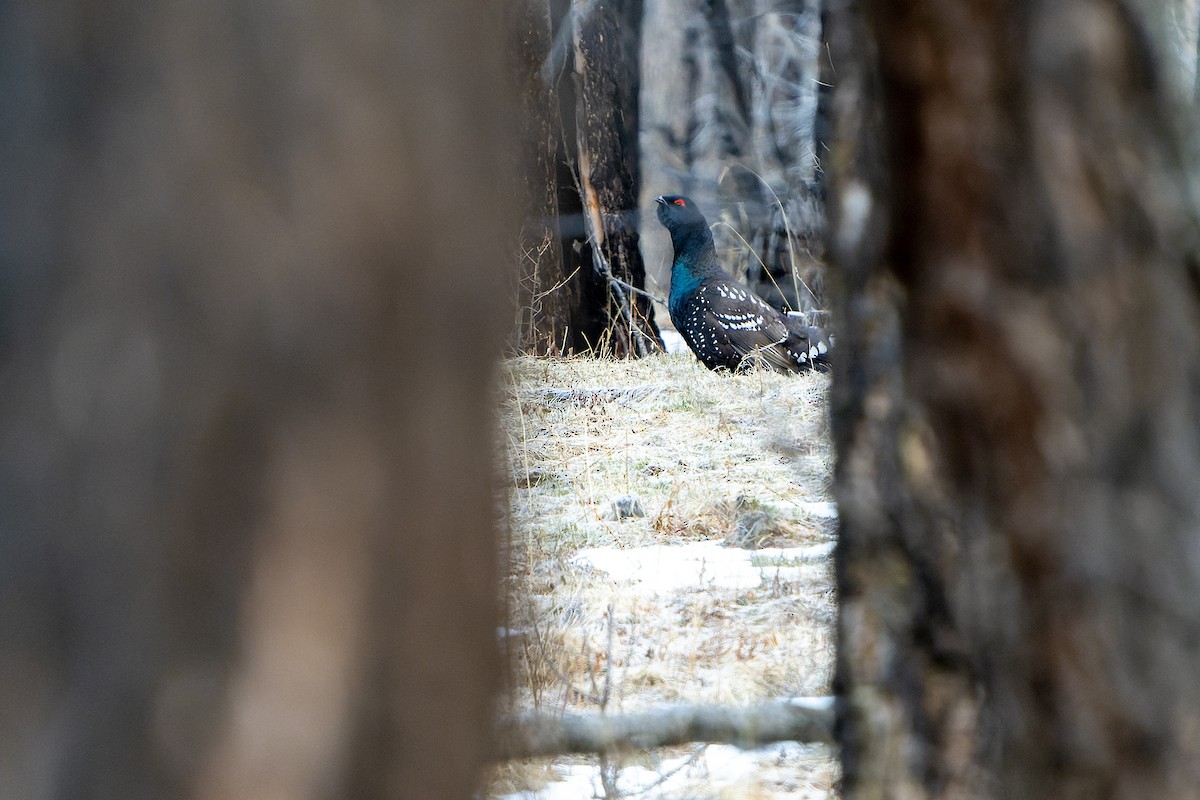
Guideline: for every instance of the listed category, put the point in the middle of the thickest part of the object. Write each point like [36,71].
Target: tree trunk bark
[545,294]
[249,315]
[1014,408]
[581,269]
[607,79]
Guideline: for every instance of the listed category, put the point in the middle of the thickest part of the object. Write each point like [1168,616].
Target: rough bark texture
[607,83]
[1014,408]
[248,314]
[579,77]
[545,295]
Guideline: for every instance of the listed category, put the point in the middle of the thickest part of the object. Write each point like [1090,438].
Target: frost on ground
[671,540]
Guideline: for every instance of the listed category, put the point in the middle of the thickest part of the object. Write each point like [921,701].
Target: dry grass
[704,456]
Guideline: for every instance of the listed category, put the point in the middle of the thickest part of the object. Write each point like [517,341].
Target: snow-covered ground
[664,568]
[726,770]
[671,541]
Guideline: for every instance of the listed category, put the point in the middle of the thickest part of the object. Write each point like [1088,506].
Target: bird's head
[679,214]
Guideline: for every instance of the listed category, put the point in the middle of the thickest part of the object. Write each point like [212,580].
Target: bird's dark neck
[695,261]
[694,250]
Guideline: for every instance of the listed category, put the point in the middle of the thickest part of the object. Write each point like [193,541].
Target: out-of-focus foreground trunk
[1015,407]
[249,270]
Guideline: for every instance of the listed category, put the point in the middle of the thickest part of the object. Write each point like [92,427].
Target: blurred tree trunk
[729,108]
[1171,28]
[789,270]
[248,315]
[1015,406]
[827,77]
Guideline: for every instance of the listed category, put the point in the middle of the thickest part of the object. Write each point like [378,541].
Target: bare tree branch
[798,719]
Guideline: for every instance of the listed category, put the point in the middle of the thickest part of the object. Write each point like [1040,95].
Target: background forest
[727,102]
[713,100]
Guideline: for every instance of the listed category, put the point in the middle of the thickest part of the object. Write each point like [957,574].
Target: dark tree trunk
[1014,408]
[580,137]
[832,22]
[248,316]
[546,296]
[607,84]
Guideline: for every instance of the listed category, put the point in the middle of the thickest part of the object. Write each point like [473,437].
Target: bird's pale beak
[661,199]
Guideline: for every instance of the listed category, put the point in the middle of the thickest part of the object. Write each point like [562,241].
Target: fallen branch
[799,719]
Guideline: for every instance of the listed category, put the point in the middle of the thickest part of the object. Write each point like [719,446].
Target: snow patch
[820,509]
[673,341]
[660,569]
[823,703]
[716,765]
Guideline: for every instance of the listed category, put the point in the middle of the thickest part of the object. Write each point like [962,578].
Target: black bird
[724,324]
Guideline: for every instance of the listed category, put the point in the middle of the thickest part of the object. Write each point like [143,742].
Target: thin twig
[636,290]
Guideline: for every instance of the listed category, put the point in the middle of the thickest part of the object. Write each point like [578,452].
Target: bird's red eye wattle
[679,202]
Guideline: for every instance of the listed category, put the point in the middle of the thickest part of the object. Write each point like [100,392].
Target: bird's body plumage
[725,325]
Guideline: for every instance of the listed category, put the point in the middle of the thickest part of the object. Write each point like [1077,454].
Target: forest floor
[671,542]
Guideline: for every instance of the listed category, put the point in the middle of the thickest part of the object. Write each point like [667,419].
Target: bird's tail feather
[812,344]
